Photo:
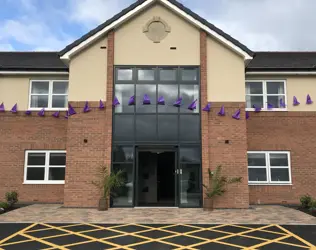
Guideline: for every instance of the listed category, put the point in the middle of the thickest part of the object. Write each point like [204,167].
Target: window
[48,94]
[269,167]
[44,167]
[261,93]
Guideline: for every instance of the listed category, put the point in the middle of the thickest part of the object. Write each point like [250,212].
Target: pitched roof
[138,3]
[283,61]
[30,61]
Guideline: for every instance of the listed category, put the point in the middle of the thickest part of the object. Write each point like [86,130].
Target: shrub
[312,206]
[4,205]
[11,198]
[305,201]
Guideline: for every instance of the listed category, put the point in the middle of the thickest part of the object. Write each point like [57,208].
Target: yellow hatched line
[17,233]
[296,236]
[263,230]
[269,242]
[85,236]
[43,241]
[45,229]
[292,244]
[232,235]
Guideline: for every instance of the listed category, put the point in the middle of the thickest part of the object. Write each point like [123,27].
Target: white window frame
[50,95]
[265,95]
[46,166]
[268,168]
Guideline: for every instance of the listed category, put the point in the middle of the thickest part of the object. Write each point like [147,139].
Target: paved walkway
[52,236]
[257,215]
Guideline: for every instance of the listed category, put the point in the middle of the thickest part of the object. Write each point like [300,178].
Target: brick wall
[288,131]
[18,133]
[215,130]
[84,158]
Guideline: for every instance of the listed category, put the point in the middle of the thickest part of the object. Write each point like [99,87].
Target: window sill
[44,182]
[270,184]
[48,109]
[267,110]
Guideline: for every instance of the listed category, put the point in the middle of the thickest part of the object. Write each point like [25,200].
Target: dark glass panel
[36,159]
[257,174]
[146,128]
[190,154]
[123,196]
[168,127]
[124,74]
[35,174]
[189,128]
[124,128]
[278,159]
[123,154]
[57,159]
[257,159]
[146,74]
[188,74]
[168,74]
[56,174]
[280,174]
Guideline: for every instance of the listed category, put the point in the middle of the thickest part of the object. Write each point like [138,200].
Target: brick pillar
[228,147]
[215,130]
[204,115]
[89,140]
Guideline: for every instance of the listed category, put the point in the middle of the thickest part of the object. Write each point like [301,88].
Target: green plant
[107,182]
[305,201]
[11,198]
[312,206]
[217,183]
[4,205]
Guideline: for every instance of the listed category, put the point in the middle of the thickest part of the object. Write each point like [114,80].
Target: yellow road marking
[43,241]
[296,236]
[268,242]
[85,236]
[17,233]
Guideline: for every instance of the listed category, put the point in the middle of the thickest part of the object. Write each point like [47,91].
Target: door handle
[180,170]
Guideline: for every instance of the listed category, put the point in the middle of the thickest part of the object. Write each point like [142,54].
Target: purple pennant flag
[295,101]
[86,107]
[308,100]
[131,100]
[14,108]
[207,108]
[192,106]
[101,105]
[161,100]
[28,112]
[2,107]
[222,111]
[236,115]
[56,114]
[41,112]
[66,116]
[257,108]
[71,110]
[282,104]
[115,102]
[146,100]
[178,102]
[247,115]
[270,106]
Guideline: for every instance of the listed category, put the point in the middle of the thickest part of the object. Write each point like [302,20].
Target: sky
[262,25]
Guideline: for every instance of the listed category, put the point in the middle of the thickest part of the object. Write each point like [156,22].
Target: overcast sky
[259,24]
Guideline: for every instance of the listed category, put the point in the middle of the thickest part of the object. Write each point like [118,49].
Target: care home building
[162,94]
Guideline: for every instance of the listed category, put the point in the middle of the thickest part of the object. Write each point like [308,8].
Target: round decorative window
[156,29]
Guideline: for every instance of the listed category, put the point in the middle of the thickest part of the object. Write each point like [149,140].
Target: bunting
[71,110]
[237,115]
[257,108]
[86,108]
[295,101]
[178,102]
[247,115]
[308,100]
[146,100]
[192,106]
[131,101]
[221,111]
[14,108]
[56,114]
[207,108]
[28,112]
[161,100]
[41,112]
[270,106]
[101,105]
[115,102]
[2,107]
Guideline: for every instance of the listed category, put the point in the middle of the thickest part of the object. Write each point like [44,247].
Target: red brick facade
[285,131]
[18,133]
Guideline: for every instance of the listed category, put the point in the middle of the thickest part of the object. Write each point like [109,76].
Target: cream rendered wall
[225,74]
[298,86]
[15,89]
[132,47]
[88,73]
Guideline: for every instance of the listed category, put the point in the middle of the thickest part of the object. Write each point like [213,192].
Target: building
[158,48]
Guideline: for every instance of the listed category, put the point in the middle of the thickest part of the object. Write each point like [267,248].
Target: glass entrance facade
[152,125]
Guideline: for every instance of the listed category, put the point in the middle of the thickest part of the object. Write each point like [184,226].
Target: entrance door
[156,178]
